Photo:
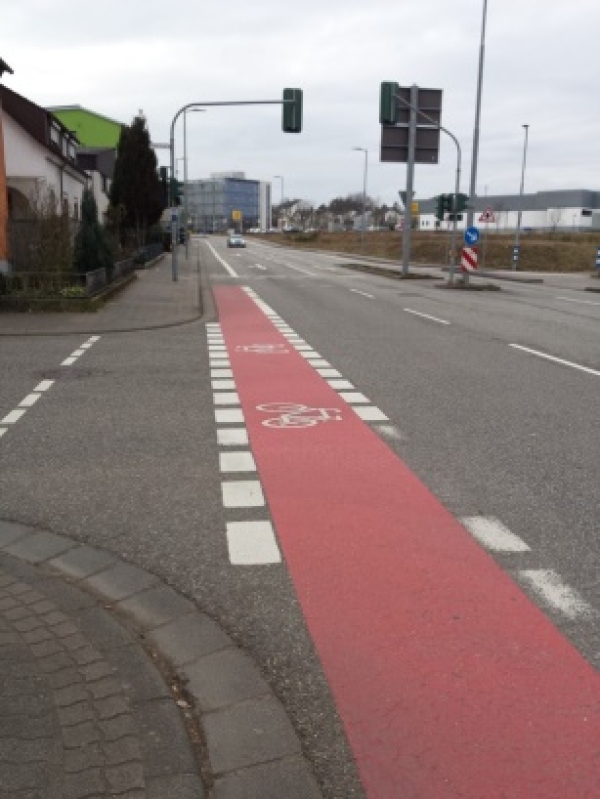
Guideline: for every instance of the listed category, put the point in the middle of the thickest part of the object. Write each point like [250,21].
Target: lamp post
[280,177]
[475,155]
[520,213]
[364,203]
[185,173]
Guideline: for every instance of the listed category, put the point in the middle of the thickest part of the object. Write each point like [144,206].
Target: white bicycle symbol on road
[293,414]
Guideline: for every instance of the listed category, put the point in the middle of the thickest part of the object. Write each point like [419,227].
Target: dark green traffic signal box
[292,111]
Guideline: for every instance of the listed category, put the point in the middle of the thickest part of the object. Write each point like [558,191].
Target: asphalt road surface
[388,493]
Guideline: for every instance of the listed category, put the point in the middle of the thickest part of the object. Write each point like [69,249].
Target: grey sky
[119,57]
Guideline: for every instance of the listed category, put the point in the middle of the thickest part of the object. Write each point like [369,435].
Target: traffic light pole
[182,110]
[410,174]
[416,112]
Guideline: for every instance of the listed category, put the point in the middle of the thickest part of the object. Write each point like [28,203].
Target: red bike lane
[449,681]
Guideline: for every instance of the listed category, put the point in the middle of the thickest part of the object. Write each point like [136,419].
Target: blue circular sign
[472,235]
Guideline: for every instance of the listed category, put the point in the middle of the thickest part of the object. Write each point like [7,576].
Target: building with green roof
[92,129]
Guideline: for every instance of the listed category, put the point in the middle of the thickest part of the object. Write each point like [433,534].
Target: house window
[75,209]
[65,206]
[64,145]
[72,150]
[586,212]
[55,135]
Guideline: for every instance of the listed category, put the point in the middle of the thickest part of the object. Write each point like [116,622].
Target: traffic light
[387,103]
[291,121]
[176,192]
[443,204]
[461,203]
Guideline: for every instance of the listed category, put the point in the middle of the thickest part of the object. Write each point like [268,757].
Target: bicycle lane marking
[448,679]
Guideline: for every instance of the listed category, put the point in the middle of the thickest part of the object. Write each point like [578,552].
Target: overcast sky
[119,57]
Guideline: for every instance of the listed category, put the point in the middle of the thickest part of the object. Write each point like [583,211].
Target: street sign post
[598,259]
[468,261]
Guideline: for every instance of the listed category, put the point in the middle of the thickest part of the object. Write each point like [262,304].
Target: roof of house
[36,121]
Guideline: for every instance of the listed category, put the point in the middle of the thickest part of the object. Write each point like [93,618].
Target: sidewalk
[115,685]
[153,300]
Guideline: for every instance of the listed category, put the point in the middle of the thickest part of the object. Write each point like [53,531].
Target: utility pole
[475,155]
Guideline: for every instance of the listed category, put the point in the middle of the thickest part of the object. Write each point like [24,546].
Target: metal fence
[51,285]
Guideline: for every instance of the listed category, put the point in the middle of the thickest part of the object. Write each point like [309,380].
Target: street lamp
[185,174]
[475,155]
[364,204]
[282,195]
[520,214]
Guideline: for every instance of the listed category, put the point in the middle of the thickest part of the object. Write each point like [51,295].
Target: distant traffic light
[291,121]
[387,103]
[176,192]
[461,202]
[443,204]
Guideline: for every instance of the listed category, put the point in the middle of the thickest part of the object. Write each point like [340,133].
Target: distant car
[236,241]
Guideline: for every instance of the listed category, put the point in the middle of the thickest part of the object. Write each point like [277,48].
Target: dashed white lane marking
[242,494]
[252,544]
[547,584]
[78,352]
[364,293]
[223,263]
[580,302]
[226,398]
[236,462]
[3,431]
[229,416]
[12,417]
[220,363]
[303,347]
[331,373]
[339,384]
[426,316]
[44,385]
[232,437]
[29,400]
[221,373]
[319,362]
[68,361]
[369,413]
[556,360]
[310,354]
[299,269]
[494,535]
[353,397]
[390,431]
[223,385]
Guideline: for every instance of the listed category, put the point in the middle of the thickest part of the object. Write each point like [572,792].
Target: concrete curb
[252,747]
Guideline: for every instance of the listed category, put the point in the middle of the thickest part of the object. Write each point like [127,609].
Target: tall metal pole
[475,155]
[185,187]
[410,171]
[364,202]
[520,213]
[280,177]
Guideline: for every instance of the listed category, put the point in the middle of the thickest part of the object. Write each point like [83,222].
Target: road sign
[394,144]
[471,236]
[236,216]
[414,209]
[487,215]
[516,254]
[598,259]
[468,261]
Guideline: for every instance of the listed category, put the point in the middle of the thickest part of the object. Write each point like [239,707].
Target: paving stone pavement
[114,685]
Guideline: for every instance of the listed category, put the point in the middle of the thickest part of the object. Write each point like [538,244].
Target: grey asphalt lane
[495,432]
[122,454]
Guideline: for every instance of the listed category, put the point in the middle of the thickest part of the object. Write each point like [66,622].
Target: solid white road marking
[44,385]
[364,294]
[12,417]
[426,316]
[232,437]
[242,494]
[580,302]
[29,400]
[236,462]
[549,586]
[223,263]
[68,361]
[556,360]
[252,544]
[229,416]
[370,413]
[494,535]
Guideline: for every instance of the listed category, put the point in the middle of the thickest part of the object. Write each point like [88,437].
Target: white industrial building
[570,209]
